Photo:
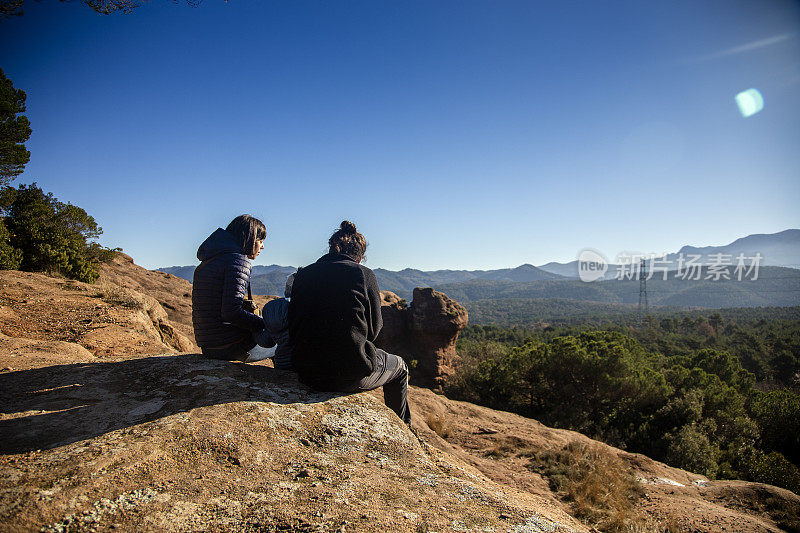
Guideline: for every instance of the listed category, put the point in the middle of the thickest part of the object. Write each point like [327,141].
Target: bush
[774,469]
[10,257]
[483,376]
[694,407]
[691,450]
[778,415]
[46,235]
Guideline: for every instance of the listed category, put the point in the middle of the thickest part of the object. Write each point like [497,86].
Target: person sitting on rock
[223,320]
[276,320]
[334,319]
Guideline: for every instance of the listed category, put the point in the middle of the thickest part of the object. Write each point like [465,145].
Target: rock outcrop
[425,332]
[172,293]
[104,319]
[104,426]
[181,443]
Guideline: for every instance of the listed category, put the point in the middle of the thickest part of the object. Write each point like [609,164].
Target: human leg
[391,373]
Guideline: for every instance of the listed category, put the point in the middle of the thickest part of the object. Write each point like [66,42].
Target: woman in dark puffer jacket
[223,325]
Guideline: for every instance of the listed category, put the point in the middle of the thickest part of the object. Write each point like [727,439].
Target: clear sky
[456,134]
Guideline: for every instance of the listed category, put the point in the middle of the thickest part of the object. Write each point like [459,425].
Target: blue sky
[457,134]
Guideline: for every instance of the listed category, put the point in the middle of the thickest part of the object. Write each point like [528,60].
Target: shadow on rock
[52,406]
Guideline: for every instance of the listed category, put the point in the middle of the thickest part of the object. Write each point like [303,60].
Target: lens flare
[750,102]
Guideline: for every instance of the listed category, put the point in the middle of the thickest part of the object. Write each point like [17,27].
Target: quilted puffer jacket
[218,288]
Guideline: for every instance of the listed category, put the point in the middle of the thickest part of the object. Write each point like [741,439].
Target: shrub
[774,469]
[691,450]
[778,415]
[50,236]
[10,257]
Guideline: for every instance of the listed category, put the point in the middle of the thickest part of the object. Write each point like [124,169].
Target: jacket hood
[219,242]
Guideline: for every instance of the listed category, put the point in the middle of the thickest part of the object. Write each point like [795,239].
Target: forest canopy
[714,396]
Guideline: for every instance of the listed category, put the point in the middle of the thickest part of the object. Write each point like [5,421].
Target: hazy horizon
[610,256]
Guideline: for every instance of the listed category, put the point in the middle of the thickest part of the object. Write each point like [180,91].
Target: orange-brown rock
[104,427]
[173,293]
[394,336]
[105,318]
[434,322]
[425,332]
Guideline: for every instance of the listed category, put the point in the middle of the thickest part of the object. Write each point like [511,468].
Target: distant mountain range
[271,279]
[778,283]
[775,287]
[776,249]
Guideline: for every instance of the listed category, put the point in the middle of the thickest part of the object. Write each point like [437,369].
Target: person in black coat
[334,319]
[223,324]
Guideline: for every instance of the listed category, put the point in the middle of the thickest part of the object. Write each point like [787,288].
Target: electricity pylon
[643,289]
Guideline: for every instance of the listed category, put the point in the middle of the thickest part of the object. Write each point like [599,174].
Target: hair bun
[347,227]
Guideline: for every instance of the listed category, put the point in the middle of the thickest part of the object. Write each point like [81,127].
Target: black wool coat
[218,288]
[334,319]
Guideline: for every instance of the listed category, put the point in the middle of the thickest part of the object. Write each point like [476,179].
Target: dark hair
[348,241]
[247,230]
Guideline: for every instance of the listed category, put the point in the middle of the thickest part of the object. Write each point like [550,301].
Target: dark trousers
[391,373]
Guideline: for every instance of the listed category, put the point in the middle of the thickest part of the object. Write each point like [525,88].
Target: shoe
[257,353]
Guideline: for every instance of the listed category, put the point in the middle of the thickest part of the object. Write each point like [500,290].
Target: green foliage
[778,415]
[484,378]
[666,389]
[724,365]
[775,469]
[691,449]
[51,236]
[15,129]
[10,257]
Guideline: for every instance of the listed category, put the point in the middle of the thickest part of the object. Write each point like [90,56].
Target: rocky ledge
[180,443]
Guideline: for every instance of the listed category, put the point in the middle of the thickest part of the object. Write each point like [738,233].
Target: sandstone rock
[181,443]
[394,336]
[103,318]
[100,430]
[172,293]
[434,322]
[426,331]
[25,353]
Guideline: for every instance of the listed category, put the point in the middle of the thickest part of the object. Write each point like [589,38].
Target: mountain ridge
[559,280]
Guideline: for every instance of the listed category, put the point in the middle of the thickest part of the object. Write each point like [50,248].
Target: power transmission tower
[643,290]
